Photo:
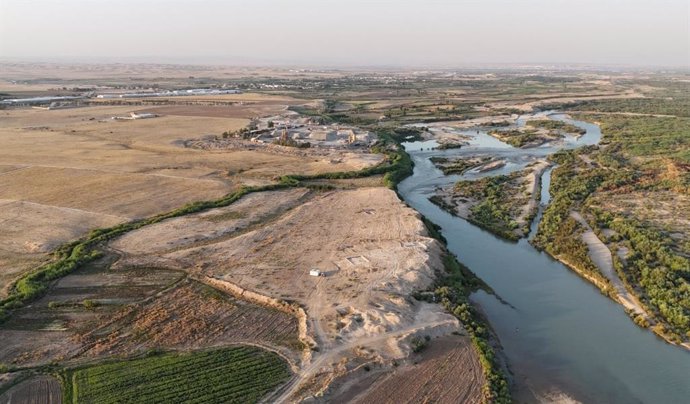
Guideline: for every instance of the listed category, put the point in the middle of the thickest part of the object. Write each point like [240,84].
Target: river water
[558,332]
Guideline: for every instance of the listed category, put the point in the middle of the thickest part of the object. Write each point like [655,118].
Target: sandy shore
[601,256]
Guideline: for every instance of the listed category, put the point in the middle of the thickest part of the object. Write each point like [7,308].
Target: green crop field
[234,375]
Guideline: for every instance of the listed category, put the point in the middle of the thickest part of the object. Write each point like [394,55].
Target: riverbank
[504,204]
[453,290]
[632,306]
[559,333]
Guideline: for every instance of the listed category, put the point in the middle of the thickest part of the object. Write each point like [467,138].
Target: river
[558,333]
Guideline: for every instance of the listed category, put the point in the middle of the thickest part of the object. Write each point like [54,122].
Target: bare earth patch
[374,252]
[38,389]
[191,316]
[209,226]
[447,371]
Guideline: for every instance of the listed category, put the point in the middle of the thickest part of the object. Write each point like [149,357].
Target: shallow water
[561,333]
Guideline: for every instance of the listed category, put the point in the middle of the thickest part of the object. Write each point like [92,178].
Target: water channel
[558,333]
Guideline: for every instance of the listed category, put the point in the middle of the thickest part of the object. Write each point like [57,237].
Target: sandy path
[532,182]
[601,256]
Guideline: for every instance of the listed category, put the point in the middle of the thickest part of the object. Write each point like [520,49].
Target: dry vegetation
[98,313]
[190,316]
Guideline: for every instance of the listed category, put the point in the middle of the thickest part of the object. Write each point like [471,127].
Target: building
[324,135]
[365,138]
[142,115]
[348,134]
[262,138]
[135,115]
[38,100]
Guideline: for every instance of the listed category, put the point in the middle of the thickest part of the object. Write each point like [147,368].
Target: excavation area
[349,258]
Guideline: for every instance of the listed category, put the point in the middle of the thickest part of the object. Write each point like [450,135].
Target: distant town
[61,101]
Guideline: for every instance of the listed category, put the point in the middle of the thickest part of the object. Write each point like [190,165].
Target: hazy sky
[349,32]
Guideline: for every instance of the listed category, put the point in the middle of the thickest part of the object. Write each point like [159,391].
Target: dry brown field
[66,171]
[36,390]
[191,316]
[98,313]
[104,310]
[446,372]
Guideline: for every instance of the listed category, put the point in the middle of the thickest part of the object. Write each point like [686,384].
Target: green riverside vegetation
[453,290]
[637,155]
[556,125]
[677,106]
[500,200]
[232,375]
[518,138]
[558,233]
[496,209]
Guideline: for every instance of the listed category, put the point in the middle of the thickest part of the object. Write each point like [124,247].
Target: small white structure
[133,115]
[316,272]
[142,115]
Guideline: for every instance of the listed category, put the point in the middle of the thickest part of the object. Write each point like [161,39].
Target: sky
[433,33]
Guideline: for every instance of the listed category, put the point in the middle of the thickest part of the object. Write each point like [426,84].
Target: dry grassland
[63,172]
